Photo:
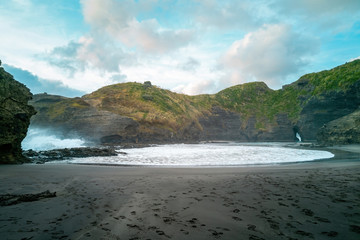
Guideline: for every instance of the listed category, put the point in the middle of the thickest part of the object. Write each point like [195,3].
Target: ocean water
[203,154]
[45,139]
[209,154]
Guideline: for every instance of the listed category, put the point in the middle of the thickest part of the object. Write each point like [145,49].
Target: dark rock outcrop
[344,130]
[67,153]
[15,116]
[221,124]
[327,107]
[12,199]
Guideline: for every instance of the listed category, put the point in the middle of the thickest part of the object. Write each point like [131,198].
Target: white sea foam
[45,139]
[230,154]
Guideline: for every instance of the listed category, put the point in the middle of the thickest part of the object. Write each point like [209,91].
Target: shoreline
[307,200]
[351,151]
[341,153]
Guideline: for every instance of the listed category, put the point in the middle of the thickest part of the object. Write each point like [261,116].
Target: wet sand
[314,200]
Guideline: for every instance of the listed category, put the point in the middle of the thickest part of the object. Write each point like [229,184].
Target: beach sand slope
[298,201]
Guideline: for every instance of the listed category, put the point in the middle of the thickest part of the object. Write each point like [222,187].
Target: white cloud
[175,44]
[197,87]
[38,85]
[108,15]
[118,19]
[150,38]
[269,54]
[89,52]
[353,59]
[230,14]
[319,7]
[22,3]
[167,72]
[191,64]
[323,15]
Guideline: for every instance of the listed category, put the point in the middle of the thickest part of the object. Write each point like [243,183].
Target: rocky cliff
[134,112]
[73,117]
[15,116]
[344,130]
[326,96]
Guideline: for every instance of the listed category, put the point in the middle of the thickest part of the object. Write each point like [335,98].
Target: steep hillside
[162,115]
[327,95]
[344,130]
[146,104]
[247,112]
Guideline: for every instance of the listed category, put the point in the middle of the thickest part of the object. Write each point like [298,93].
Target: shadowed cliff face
[344,130]
[134,112]
[15,116]
[73,117]
[327,107]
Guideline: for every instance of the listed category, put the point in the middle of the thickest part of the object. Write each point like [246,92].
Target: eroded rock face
[15,116]
[327,107]
[345,130]
[76,118]
[221,125]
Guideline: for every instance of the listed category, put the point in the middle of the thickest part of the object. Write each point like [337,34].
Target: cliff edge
[15,114]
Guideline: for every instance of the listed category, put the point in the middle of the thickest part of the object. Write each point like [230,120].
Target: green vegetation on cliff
[256,99]
[155,108]
[338,78]
[146,104]
[57,108]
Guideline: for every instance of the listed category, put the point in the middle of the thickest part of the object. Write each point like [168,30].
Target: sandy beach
[314,200]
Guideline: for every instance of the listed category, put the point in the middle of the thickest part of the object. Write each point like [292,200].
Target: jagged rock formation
[67,153]
[134,112]
[15,116]
[344,130]
[12,199]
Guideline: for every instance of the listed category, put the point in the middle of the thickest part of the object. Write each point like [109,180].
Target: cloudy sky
[71,47]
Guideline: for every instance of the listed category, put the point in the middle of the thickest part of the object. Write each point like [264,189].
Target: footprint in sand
[330,234]
[153,228]
[159,232]
[133,226]
[355,228]
[303,233]
[168,220]
[184,232]
[224,229]
[215,233]
[251,227]
[308,212]
[236,218]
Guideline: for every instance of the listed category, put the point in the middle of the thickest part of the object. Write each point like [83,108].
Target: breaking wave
[209,154]
[45,139]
